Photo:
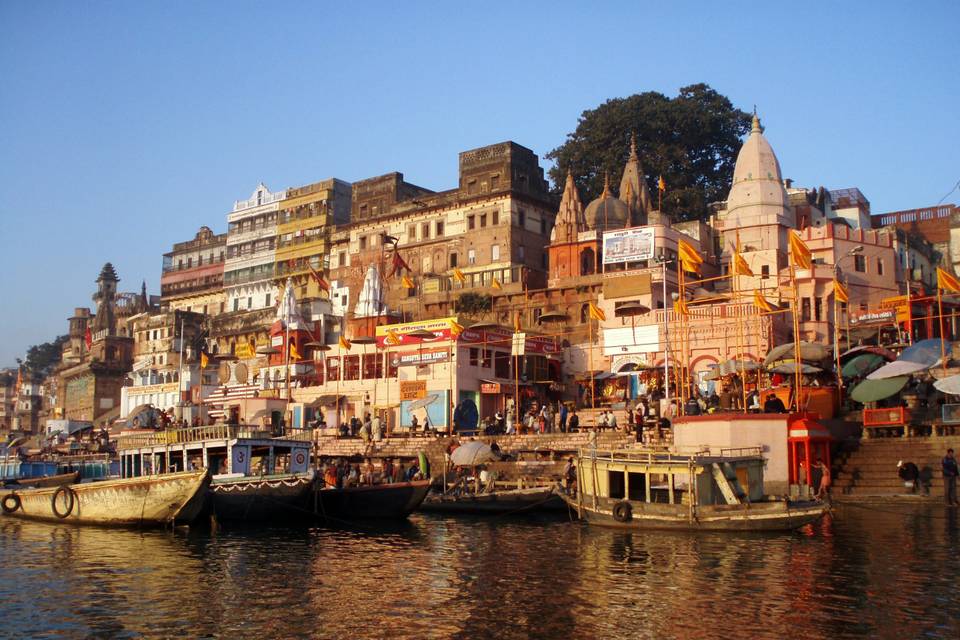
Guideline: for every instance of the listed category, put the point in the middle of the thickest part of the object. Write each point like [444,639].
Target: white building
[251,251]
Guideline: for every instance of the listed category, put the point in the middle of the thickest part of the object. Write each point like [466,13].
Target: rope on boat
[242,487]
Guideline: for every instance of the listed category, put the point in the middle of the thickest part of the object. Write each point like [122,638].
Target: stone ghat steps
[434,448]
[871,469]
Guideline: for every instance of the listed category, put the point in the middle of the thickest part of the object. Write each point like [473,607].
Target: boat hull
[397,500]
[262,499]
[778,515]
[495,502]
[145,501]
[44,481]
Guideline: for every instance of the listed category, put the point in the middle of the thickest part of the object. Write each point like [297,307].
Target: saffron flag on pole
[680,306]
[407,282]
[204,360]
[496,285]
[596,313]
[455,328]
[840,292]
[392,338]
[294,354]
[762,303]
[740,266]
[690,260]
[661,184]
[800,252]
[947,282]
[344,343]
[399,264]
[458,276]
[324,286]
[516,323]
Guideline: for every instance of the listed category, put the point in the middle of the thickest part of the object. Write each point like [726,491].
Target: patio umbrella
[809,351]
[869,348]
[898,368]
[472,453]
[423,402]
[924,352]
[862,364]
[949,385]
[790,368]
[873,390]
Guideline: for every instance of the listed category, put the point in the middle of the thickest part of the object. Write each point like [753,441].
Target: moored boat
[395,500]
[646,489]
[143,501]
[502,501]
[45,481]
[262,499]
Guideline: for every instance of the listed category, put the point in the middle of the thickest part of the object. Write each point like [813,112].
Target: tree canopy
[691,140]
[43,358]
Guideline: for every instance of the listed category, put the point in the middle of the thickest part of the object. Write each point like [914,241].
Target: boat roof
[660,456]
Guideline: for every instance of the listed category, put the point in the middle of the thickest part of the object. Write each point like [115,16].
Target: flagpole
[593,383]
[740,319]
[797,364]
[681,368]
[943,343]
[836,338]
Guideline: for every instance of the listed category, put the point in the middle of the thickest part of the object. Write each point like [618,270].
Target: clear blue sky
[124,126]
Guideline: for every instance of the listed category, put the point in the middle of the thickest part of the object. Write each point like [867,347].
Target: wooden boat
[45,481]
[262,499]
[397,500]
[257,477]
[646,489]
[142,501]
[495,502]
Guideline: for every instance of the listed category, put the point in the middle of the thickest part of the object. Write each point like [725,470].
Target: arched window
[588,262]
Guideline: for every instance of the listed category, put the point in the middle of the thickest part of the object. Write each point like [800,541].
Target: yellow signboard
[245,350]
[413,389]
[408,327]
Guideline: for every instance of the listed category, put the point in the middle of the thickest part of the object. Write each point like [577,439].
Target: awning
[898,368]
[323,401]
[809,351]
[862,364]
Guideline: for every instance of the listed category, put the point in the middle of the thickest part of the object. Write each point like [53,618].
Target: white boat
[648,489]
[143,501]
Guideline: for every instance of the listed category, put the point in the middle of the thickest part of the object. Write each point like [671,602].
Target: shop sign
[439,327]
[489,387]
[519,344]
[421,357]
[413,389]
[884,316]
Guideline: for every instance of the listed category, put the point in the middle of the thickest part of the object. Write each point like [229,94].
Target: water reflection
[864,572]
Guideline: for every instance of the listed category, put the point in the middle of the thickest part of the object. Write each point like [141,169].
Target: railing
[886,417]
[659,456]
[210,432]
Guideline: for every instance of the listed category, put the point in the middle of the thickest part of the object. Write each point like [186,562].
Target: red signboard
[504,338]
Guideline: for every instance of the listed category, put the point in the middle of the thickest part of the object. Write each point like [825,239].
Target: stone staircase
[870,468]
[549,446]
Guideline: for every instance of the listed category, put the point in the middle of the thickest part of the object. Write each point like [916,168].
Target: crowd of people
[343,474]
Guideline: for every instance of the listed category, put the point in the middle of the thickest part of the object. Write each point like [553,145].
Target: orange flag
[947,282]
[596,313]
[690,260]
[762,303]
[740,266]
[800,252]
[840,292]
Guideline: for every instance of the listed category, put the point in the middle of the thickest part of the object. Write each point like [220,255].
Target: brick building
[192,277]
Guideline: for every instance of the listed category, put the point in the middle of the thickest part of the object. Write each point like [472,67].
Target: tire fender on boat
[622,511]
[4,504]
[73,499]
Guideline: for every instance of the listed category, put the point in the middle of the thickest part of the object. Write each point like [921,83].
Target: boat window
[638,486]
[615,480]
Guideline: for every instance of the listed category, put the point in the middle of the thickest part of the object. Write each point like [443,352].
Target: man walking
[950,478]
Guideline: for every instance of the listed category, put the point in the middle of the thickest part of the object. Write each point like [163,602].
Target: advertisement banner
[629,340]
[503,338]
[629,245]
[439,327]
[883,316]
[413,389]
[420,357]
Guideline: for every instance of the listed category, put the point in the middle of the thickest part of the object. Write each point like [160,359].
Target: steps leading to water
[871,468]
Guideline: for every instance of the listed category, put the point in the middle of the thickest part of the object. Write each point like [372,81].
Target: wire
[955,187]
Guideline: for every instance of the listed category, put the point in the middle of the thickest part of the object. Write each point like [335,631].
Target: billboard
[630,340]
[629,245]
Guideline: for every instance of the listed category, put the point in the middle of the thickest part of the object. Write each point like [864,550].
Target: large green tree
[691,140]
[43,358]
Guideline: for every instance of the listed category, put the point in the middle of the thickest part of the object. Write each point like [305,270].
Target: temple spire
[633,187]
[570,220]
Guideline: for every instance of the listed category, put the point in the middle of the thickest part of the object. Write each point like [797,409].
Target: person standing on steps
[950,472]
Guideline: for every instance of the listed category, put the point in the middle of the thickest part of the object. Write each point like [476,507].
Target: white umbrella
[472,453]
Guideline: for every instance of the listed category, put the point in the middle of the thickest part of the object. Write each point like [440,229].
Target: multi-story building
[8,400]
[92,376]
[304,224]
[932,223]
[493,227]
[192,277]
[160,378]
[248,277]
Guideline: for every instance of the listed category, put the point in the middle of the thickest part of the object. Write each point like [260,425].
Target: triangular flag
[496,285]
[516,323]
[407,282]
[392,338]
[947,282]
[596,313]
[690,260]
[458,276]
[799,252]
[344,343]
[324,286]
[455,328]
[740,266]
[762,303]
[294,354]
[840,292]
[680,306]
[399,264]
[661,185]
[204,360]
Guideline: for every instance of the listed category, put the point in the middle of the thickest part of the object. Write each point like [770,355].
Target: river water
[864,572]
